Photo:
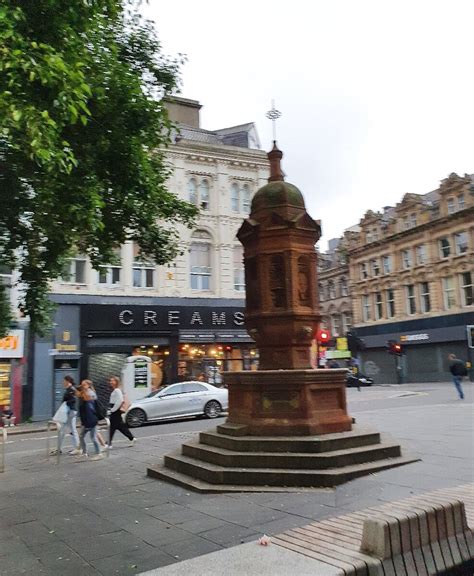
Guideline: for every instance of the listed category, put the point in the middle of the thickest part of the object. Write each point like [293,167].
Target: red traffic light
[394,347]
[323,336]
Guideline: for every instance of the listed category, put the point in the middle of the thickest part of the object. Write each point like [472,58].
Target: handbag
[61,414]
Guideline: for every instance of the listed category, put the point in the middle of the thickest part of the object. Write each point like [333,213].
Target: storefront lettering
[218,319]
[239,318]
[196,318]
[149,316]
[175,318]
[414,337]
[126,321]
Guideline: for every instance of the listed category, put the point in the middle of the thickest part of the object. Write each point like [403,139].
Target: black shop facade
[184,341]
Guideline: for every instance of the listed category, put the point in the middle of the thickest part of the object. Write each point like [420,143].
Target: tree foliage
[82,135]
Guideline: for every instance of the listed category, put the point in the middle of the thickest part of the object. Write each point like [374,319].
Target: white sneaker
[75,452]
[132,442]
[81,457]
[104,448]
[96,457]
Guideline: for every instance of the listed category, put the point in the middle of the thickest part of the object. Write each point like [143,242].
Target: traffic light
[323,337]
[394,348]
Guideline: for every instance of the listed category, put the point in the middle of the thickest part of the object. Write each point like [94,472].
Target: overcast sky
[377,96]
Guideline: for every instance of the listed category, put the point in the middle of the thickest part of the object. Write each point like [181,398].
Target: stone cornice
[405,234]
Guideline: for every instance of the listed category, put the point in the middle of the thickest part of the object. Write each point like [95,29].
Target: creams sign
[156,318]
[174,318]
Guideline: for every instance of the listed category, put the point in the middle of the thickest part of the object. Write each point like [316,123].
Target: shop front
[12,350]
[183,342]
[425,343]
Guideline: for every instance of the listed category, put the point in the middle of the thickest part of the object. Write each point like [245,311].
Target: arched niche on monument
[277,281]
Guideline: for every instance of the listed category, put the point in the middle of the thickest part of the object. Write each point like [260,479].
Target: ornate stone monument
[288,424]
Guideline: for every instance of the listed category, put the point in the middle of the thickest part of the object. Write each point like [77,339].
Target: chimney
[183,110]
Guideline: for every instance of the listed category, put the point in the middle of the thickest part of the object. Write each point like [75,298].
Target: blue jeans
[457,382]
[71,425]
[93,433]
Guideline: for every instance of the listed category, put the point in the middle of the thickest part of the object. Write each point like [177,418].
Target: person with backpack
[458,369]
[118,405]
[90,413]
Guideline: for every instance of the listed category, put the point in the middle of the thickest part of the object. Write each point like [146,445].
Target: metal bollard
[4,443]
[48,440]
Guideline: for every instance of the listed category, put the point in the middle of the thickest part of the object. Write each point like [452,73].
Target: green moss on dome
[277,193]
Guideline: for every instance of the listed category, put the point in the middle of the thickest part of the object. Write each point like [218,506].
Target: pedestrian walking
[458,369]
[70,398]
[93,395]
[118,405]
[90,413]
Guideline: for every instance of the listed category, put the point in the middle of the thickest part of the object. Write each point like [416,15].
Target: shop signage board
[470,336]
[166,318]
[12,346]
[136,377]
[341,343]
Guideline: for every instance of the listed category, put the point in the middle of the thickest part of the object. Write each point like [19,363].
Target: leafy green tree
[83,133]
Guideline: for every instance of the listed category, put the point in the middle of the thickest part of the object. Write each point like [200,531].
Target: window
[143,270]
[451,206]
[390,303]
[460,240]
[200,258]
[374,265]
[444,247]
[194,387]
[365,308]
[198,193]
[363,271]
[411,299]
[413,220]
[406,223]
[75,271]
[332,290]
[239,274]
[109,275]
[406,259]
[344,289]
[378,305]
[346,322]
[204,195]
[449,293]
[461,203]
[335,325]
[387,264]
[467,289]
[322,293]
[420,254]
[246,199]
[240,198]
[192,192]
[172,390]
[425,297]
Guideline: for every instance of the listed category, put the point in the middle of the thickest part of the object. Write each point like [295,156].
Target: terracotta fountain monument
[288,424]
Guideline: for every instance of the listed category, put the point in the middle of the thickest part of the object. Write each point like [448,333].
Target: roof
[242,136]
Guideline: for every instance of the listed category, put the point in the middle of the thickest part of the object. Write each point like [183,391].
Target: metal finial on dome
[273,115]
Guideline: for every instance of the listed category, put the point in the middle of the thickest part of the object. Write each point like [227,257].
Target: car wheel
[136,418]
[212,409]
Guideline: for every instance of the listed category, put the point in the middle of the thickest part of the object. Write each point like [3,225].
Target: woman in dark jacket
[89,413]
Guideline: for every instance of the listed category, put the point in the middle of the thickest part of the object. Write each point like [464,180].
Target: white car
[178,401]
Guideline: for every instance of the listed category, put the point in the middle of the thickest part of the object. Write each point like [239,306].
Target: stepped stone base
[229,460]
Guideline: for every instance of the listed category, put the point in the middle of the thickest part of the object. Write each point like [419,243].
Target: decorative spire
[274,156]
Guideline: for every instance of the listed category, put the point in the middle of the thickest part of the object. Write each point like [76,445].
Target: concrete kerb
[3,446]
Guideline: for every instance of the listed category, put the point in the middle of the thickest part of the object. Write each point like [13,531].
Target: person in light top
[117,408]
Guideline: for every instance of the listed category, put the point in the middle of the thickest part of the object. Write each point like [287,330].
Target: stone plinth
[288,402]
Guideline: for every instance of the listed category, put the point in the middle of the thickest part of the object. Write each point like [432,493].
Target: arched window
[204,194]
[246,199]
[235,198]
[200,259]
[192,191]
[332,290]
[344,291]
[239,275]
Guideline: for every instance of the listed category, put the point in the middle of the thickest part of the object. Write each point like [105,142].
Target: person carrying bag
[118,406]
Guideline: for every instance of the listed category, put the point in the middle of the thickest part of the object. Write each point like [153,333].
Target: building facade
[186,316]
[411,271]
